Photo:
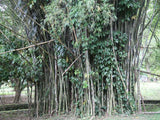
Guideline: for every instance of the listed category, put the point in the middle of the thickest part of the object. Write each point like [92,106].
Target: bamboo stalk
[60,94]
[37,109]
[121,78]
[55,77]
[72,64]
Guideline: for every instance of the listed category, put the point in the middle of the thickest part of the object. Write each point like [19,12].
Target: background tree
[15,67]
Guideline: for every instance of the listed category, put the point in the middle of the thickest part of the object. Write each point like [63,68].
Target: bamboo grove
[91,65]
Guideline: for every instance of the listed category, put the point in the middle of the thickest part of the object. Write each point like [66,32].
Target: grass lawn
[22,115]
[118,117]
[135,117]
[150,90]
[7,90]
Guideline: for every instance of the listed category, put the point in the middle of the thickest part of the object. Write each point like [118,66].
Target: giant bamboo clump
[92,64]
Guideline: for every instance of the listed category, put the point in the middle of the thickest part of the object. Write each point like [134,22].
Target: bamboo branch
[4,34]
[143,103]
[155,36]
[149,47]
[149,73]
[150,112]
[72,64]
[150,40]
[150,21]
[22,37]
[19,49]
[15,33]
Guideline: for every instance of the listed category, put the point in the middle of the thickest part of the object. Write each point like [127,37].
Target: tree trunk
[17,91]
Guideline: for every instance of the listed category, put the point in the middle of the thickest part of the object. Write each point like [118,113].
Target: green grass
[24,114]
[135,117]
[118,117]
[150,90]
[7,90]
[15,114]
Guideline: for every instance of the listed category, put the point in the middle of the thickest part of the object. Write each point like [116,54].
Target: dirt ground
[14,114]
[8,99]
[23,114]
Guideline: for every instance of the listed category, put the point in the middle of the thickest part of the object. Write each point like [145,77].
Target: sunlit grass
[7,90]
[150,90]
[135,117]
[117,117]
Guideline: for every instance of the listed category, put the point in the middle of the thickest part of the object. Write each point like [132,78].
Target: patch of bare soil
[58,117]
[14,115]
[8,99]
